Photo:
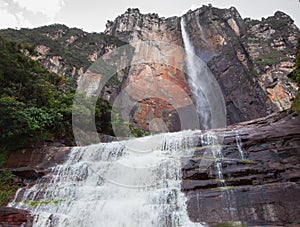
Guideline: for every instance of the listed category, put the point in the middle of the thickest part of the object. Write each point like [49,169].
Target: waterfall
[129,183]
[207,94]
[210,140]
[201,32]
[194,68]
[239,145]
[132,183]
[208,100]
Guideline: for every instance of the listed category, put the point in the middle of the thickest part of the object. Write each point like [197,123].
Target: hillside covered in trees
[35,104]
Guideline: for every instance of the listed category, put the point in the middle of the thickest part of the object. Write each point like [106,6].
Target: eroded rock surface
[250,59]
[259,189]
[11,217]
[28,166]
[260,168]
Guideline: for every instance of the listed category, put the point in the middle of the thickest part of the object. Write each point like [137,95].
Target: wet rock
[33,161]
[267,205]
[12,217]
[260,189]
[29,173]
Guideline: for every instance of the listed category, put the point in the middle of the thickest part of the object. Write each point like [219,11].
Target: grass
[7,187]
[230,224]
[296,103]
[247,161]
[272,58]
[35,203]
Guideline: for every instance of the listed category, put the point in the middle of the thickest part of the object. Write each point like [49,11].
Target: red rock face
[158,90]
[158,85]
[156,82]
[11,217]
[231,47]
[36,157]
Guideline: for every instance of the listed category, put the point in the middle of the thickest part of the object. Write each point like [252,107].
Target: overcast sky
[91,15]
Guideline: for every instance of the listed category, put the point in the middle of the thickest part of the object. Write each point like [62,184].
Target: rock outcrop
[11,217]
[250,59]
[32,162]
[221,47]
[259,189]
[63,50]
[240,53]
[270,44]
[28,166]
[157,86]
[260,168]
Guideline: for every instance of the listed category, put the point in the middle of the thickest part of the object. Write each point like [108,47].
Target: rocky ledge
[11,217]
[261,171]
[28,165]
[260,166]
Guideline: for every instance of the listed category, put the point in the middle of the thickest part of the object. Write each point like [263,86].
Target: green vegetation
[35,203]
[123,125]
[72,44]
[276,23]
[279,22]
[272,58]
[295,75]
[32,100]
[137,132]
[34,103]
[3,155]
[7,187]
[230,224]
[84,110]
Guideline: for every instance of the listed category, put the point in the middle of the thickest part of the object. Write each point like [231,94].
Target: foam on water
[114,185]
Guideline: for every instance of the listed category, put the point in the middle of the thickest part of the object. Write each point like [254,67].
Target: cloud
[48,8]
[28,13]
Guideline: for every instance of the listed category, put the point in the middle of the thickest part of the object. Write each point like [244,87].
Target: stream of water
[114,184]
[134,183]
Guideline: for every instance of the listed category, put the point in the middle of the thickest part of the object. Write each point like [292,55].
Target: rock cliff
[63,50]
[258,189]
[260,168]
[250,59]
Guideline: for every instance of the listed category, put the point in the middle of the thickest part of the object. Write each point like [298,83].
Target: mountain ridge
[262,53]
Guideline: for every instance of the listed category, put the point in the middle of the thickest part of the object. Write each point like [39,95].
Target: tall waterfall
[208,96]
[195,68]
[208,99]
[130,183]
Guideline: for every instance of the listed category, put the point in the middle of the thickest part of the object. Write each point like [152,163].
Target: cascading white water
[195,68]
[201,32]
[211,141]
[239,145]
[207,94]
[130,183]
[200,80]
[114,184]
